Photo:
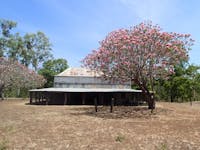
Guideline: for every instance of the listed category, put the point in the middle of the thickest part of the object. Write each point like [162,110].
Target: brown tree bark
[151,101]
[149,97]
[1,92]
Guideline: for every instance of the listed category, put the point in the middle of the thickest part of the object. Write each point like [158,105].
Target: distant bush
[14,92]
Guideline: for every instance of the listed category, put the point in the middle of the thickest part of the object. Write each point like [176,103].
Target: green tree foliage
[31,49]
[37,49]
[184,85]
[51,68]
[5,34]
[15,46]
[193,74]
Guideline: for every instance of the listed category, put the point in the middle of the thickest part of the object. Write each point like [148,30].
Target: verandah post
[31,97]
[65,101]
[83,98]
[95,103]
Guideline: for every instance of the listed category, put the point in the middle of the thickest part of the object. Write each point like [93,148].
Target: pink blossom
[141,51]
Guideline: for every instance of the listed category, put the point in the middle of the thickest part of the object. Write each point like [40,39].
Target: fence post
[111,105]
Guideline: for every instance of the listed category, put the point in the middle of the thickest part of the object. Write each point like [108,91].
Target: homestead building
[81,86]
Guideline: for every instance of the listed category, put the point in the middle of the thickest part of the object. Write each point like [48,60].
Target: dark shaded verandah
[81,96]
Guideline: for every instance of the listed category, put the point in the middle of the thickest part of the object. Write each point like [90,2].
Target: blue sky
[75,27]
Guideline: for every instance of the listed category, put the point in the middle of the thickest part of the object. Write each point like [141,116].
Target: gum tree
[141,54]
[14,74]
[37,50]
[51,68]
[5,33]
[32,49]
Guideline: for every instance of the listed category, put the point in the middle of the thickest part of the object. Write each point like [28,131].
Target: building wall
[86,82]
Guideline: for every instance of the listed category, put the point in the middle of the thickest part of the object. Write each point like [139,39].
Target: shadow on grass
[120,112]
[36,103]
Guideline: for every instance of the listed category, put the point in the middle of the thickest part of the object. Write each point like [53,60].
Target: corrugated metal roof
[79,72]
[83,90]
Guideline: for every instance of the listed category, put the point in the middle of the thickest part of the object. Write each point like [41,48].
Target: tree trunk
[149,97]
[18,92]
[1,92]
[1,95]
[190,101]
[171,98]
[151,101]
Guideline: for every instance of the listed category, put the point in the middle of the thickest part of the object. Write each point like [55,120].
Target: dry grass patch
[171,126]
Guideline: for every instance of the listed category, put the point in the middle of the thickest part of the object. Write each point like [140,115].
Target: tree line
[30,50]
[182,86]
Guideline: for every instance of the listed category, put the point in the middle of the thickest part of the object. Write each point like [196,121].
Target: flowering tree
[14,74]
[140,54]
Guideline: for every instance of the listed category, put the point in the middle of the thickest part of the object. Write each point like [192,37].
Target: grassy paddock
[171,126]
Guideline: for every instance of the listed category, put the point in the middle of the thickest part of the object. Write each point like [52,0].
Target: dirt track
[171,126]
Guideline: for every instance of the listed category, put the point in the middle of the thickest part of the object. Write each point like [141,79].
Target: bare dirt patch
[171,126]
